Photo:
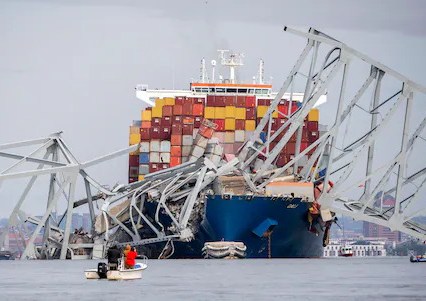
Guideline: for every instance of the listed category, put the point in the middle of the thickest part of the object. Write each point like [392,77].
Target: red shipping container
[153,167]
[250,101]
[291,148]
[198,100]
[188,101]
[177,119]
[167,111]
[220,124]
[179,100]
[274,125]
[219,101]
[145,134]
[188,120]
[177,129]
[176,139]
[176,151]
[133,179]
[146,124]
[263,102]
[282,160]
[312,126]
[313,136]
[294,107]
[166,121]
[197,121]
[241,101]
[174,161]
[240,124]
[230,100]
[305,136]
[187,108]
[198,109]
[205,131]
[155,132]
[156,121]
[283,109]
[210,100]
[250,113]
[303,146]
[133,160]
[165,133]
[187,129]
[177,110]
[163,166]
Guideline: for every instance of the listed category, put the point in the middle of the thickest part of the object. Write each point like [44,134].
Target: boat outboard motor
[102,270]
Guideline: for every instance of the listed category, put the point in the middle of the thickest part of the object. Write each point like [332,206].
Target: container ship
[214,119]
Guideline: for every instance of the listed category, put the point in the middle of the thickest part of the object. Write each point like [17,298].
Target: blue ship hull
[239,218]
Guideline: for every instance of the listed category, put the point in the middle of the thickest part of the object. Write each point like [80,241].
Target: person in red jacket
[131,259]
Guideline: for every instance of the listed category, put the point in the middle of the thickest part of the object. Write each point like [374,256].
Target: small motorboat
[418,258]
[102,272]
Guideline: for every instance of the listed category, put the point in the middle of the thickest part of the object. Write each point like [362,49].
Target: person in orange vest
[131,259]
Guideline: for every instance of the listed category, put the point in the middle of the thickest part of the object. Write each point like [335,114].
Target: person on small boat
[113,255]
[131,259]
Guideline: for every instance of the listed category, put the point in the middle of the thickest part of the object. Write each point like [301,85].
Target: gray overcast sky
[73,65]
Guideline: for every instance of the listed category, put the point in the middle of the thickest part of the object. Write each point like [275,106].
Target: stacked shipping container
[167,130]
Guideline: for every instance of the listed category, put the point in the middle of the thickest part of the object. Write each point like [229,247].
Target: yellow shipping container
[240,113]
[134,130]
[230,124]
[209,112]
[219,113]
[169,101]
[134,139]
[313,115]
[159,102]
[141,177]
[261,111]
[250,125]
[157,111]
[229,112]
[146,115]
[275,114]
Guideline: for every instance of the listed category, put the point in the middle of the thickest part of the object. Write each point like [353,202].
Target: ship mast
[234,60]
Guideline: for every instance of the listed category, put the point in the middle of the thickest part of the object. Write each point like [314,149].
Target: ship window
[231,90]
[264,91]
[251,91]
[212,90]
[220,90]
[204,89]
[197,89]
[258,91]
[242,90]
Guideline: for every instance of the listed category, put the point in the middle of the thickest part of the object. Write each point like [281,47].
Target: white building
[363,248]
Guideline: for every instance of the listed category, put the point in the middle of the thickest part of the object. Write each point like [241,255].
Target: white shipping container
[186,150]
[154,157]
[249,134]
[144,147]
[194,133]
[201,141]
[187,140]
[164,157]
[229,137]
[240,136]
[197,151]
[184,159]
[143,169]
[214,158]
[165,146]
[154,146]
[192,159]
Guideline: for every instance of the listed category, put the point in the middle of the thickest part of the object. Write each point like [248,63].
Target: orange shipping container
[146,124]
[176,139]
[198,109]
[176,151]
[177,110]
[174,161]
